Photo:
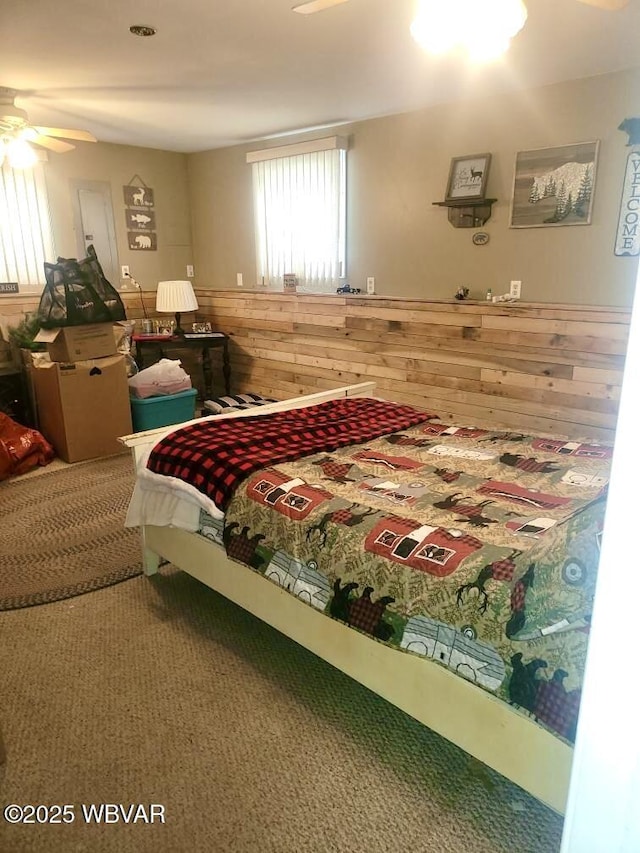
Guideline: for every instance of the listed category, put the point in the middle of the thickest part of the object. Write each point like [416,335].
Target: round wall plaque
[480,238]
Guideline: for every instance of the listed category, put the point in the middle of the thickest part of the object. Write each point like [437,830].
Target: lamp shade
[175,296]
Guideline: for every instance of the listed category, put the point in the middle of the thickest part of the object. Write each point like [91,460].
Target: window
[26,239]
[299,194]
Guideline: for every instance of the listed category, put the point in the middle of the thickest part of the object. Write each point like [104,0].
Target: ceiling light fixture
[19,154]
[484,29]
[142,31]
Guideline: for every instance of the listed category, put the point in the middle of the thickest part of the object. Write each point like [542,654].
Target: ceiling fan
[310,6]
[14,126]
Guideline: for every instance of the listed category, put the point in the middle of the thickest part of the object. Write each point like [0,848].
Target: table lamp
[175,297]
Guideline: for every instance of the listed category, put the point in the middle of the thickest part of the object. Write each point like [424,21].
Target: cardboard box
[83,407]
[79,343]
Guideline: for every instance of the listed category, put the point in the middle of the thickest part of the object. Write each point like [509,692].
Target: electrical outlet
[515,288]
[371,284]
[124,271]
[239,279]
[189,270]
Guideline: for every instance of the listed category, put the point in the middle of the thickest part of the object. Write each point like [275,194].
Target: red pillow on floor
[21,448]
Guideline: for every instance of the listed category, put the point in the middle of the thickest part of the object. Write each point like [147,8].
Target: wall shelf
[468,213]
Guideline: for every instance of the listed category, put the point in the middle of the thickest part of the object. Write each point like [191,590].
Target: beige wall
[163,171]
[399,165]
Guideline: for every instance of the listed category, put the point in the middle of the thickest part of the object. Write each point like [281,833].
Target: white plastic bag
[164,377]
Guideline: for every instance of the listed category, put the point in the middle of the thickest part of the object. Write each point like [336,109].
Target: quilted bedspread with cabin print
[475,548]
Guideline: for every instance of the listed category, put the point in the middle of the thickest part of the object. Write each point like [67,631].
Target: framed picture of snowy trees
[554,186]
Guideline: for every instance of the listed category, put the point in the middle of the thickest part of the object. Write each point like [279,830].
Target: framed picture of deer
[554,186]
[468,177]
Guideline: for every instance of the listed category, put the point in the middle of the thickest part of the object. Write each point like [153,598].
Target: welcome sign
[628,234]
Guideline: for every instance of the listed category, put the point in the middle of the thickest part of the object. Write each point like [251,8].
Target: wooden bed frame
[470,717]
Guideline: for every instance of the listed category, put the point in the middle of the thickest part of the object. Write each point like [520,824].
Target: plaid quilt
[214,457]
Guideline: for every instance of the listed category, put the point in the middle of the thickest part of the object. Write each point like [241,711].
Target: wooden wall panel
[539,367]
[14,308]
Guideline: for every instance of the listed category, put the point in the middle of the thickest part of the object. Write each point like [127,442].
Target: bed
[450,570]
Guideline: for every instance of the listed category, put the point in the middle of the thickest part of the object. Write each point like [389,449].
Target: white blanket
[166,501]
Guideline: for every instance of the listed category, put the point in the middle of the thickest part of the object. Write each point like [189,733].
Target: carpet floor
[62,532]
[161,691]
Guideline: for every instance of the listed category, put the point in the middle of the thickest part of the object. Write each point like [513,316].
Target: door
[93,213]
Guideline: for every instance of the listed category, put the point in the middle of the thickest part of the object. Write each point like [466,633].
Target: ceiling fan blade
[66,133]
[56,145]
[609,5]
[312,6]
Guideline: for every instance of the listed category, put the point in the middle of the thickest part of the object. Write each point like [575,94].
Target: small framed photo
[468,177]
[164,327]
[290,282]
[200,328]
[554,186]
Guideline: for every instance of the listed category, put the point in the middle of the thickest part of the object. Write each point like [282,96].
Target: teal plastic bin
[155,412]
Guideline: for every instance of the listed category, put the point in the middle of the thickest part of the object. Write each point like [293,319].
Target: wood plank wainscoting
[536,367]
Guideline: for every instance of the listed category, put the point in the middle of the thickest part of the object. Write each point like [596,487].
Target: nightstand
[205,342]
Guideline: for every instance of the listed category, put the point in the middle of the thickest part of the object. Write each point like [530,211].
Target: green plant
[22,335]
